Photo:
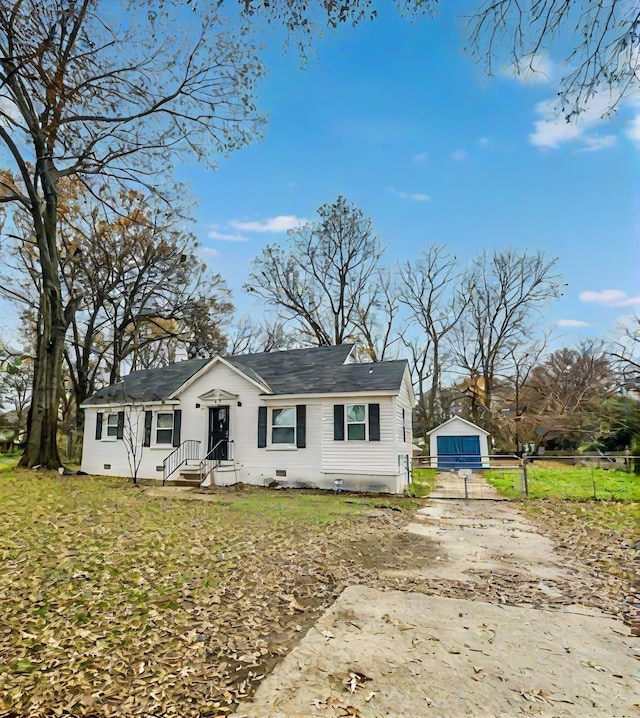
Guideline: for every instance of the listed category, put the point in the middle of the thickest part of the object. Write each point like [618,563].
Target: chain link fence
[581,478]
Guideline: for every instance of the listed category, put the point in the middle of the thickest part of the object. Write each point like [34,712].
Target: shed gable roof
[458,418]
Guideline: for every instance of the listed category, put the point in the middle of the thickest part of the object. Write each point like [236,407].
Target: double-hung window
[283,426]
[112,426]
[356,422]
[164,428]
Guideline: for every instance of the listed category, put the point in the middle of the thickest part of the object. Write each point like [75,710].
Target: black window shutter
[262,427]
[148,416]
[301,426]
[120,428]
[177,426]
[338,422]
[99,426]
[374,422]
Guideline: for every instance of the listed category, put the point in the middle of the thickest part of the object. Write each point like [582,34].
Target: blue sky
[396,118]
[392,115]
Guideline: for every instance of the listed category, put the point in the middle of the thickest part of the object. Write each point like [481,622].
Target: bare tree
[427,290]
[511,415]
[598,42]
[132,437]
[504,292]
[377,318]
[146,294]
[417,352]
[625,354]
[16,378]
[322,283]
[116,90]
[566,392]
[250,337]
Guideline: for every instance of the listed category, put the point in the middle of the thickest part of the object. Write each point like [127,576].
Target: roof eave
[333,394]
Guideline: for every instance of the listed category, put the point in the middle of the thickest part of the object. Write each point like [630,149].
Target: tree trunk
[435,384]
[42,422]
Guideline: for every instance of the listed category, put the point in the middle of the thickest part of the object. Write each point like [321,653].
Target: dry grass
[116,603]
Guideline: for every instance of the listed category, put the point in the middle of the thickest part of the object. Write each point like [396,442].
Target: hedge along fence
[561,478]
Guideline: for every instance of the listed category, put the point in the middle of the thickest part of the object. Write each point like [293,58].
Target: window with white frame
[356,422]
[164,428]
[283,426]
[112,426]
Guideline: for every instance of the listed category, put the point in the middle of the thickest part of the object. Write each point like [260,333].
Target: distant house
[305,417]
[458,444]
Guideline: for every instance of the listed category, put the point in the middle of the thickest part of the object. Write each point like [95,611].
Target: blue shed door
[457,452]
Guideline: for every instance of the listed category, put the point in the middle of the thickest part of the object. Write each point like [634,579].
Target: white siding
[98,454]
[367,465]
[360,457]
[404,431]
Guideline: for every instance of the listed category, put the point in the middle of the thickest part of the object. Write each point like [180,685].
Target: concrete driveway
[531,650]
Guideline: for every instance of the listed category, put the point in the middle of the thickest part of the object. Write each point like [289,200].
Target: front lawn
[422,482]
[116,603]
[557,481]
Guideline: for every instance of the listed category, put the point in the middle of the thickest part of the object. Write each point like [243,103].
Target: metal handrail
[210,463]
[189,449]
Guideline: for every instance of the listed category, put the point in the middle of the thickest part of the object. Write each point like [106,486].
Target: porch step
[184,481]
[188,475]
[190,470]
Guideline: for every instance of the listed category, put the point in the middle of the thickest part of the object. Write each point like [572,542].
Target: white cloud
[572,323]
[414,196]
[420,158]
[209,252]
[633,130]
[610,298]
[281,223]
[551,130]
[483,141]
[597,142]
[552,133]
[459,155]
[532,69]
[227,236]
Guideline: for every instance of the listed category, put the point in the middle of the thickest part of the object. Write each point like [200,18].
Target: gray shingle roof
[319,370]
[148,384]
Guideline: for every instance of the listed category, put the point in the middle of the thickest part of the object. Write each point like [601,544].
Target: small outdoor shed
[457,444]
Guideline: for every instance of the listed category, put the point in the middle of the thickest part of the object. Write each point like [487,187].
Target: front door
[219,432]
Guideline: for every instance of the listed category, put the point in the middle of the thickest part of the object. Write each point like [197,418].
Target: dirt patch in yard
[397,551]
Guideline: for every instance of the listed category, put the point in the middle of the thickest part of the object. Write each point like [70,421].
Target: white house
[458,444]
[305,417]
